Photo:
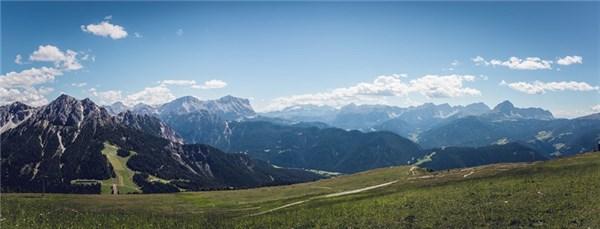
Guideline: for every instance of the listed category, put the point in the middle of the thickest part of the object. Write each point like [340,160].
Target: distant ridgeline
[64,146]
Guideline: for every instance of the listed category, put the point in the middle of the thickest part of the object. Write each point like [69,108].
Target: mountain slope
[63,141]
[551,137]
[329,149]
[460,157]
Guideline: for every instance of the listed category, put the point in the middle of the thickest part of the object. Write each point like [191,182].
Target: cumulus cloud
[29,77]
[178,82]
[106,97]
[529,63]
[20,86]
[568,60]
[212,84]
[539,87]
[150,95]
[105,29]
[28,95]
[431,86]
[49,53]
[27,85]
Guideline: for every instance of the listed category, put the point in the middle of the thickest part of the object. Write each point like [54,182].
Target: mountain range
[63,142]
[191,144]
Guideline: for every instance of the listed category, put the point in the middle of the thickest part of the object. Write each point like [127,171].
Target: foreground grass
[559,193]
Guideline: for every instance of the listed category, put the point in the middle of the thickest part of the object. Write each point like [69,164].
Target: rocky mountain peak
[505,106]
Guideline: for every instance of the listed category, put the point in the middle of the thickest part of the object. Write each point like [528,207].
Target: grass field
[124,175]
[560,193]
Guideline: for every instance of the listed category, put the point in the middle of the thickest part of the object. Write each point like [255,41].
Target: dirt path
[115,190]
[349,192]
[469,174]
[359,190]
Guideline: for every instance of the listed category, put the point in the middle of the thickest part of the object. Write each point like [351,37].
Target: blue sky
[280,54]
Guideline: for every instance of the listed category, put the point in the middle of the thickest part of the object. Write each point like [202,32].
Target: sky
[278,54]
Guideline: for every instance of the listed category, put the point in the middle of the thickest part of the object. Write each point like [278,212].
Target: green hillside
[558,193]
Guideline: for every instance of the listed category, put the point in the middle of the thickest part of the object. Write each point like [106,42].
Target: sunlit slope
[558,193]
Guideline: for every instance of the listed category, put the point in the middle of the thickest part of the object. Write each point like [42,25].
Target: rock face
[13,114]
[507,111]
[116,108]
[148,124]
[63,141]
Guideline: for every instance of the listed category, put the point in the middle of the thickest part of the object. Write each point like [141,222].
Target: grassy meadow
[561,193]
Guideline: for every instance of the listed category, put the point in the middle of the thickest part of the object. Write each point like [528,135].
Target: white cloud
[596,108]
[478,60]
[178,82]
[105,29]
[29,77]
[212,84]
[137,35]
[179,32]
[28,95]
[49,53]
[568,60]
[431,86]
[109,17]
[455,63]
[106,97]
[83,84]
[150,95]
[539,87]
[18,59]
[24,86]
[529,63]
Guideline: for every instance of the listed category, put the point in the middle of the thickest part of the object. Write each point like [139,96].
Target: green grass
[563,193]
[124,175]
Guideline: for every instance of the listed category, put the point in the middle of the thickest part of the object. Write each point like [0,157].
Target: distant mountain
[595,116]
[116,108]
[65,141]
[144,109]
[364,117]
[461,157]
[227,107]
[552,137]
[148,124]
[407,122]
[416,120]
[507,111]
[305,113]
[329,149]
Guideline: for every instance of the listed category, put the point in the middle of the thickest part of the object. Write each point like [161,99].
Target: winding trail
[349,192]
[114,189]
